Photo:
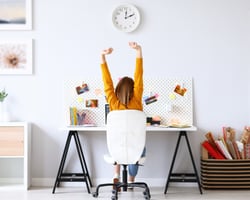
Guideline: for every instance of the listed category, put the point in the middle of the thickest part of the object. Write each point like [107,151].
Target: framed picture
[16,57]
[15,14]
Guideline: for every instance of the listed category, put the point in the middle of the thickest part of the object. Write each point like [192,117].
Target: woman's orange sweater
[136,102]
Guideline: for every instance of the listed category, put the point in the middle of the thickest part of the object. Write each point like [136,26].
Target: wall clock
[126,17]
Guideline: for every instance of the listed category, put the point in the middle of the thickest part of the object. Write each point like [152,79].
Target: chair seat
[109,159]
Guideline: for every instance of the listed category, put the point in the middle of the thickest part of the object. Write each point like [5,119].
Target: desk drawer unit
[12,141]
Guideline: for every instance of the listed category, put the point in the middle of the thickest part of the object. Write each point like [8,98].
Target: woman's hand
[137,47]
[134,45]
[104,53]
[107,51]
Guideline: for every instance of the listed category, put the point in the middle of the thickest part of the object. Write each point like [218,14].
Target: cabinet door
[11,141]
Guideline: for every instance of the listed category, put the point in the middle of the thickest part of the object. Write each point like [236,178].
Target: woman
[126,95]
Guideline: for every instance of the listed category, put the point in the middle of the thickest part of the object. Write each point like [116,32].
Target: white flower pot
[4,115]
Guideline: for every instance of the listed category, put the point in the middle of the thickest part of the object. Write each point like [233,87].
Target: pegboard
[169,105]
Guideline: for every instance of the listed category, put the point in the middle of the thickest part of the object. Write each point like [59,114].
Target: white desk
[84,177]
[148,129]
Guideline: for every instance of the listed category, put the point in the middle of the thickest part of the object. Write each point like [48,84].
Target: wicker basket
[224,174]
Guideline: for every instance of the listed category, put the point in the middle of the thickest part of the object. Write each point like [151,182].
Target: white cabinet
[15,155]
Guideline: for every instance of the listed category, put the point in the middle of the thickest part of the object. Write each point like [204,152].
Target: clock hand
[126,14]
[130,16]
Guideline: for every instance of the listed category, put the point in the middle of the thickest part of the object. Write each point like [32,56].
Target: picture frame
[16,56]
[16,15]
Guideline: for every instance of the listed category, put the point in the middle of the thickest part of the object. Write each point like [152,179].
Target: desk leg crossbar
[183,177]
[73,177]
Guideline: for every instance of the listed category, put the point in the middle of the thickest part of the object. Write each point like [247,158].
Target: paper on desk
[175,126]
[180,125]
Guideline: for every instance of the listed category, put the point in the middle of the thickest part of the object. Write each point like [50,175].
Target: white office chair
[126,137]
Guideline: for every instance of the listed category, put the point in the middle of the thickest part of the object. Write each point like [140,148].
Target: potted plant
[3,95]
[3,115]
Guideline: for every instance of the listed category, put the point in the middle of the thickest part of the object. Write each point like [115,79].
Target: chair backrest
[126,135]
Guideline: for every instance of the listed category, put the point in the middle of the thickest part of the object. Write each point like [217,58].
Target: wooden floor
[174,193]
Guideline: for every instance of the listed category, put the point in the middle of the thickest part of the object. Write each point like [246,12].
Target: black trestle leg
[73,177]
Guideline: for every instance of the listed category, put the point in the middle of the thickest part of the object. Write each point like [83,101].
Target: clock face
[126,18]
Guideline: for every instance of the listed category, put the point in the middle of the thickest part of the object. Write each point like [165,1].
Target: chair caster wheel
[146,195]
[95,194]
[114,198]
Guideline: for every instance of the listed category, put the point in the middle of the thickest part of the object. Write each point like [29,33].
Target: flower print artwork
[13,56]
[16,57]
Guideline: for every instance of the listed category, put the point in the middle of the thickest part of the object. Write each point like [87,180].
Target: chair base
[124,185]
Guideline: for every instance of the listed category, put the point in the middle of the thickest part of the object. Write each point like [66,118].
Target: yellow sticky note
[79,99]
[172,96]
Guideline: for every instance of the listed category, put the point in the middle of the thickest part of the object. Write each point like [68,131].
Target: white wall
[205,39]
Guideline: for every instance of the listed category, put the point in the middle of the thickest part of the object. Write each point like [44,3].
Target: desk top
[148,128]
